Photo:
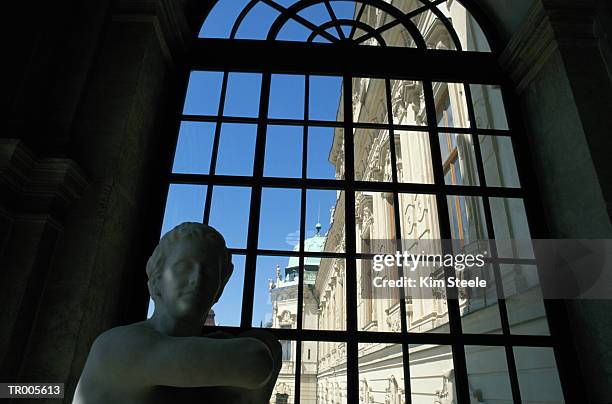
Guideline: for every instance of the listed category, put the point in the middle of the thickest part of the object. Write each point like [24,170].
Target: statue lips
[194,293]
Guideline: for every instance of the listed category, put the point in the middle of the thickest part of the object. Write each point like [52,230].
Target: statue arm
[263,393]
[146,358]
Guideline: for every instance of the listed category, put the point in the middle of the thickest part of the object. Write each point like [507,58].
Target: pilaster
[35,195]
[558,64]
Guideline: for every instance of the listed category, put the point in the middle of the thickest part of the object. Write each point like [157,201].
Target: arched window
[318,133]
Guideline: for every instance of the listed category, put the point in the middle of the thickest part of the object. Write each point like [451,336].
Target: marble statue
[164,359]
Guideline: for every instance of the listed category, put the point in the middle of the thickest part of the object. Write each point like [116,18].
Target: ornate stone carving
[286,318]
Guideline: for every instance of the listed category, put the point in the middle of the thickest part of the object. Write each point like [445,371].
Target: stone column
[559,61]
[35,195]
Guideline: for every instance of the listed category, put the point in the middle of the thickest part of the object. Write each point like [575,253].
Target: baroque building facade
[381,366]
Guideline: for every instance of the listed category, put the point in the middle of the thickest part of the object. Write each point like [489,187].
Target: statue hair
[191,231]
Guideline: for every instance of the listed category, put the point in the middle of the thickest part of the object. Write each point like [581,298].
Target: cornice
[529,48]
[549,25]
[168,17]
[37,186]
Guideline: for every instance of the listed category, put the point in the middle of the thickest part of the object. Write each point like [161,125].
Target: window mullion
[255,206]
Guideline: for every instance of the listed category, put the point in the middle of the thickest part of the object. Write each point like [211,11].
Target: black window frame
[338,59]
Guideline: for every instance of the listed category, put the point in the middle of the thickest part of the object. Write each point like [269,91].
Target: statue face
[189,280]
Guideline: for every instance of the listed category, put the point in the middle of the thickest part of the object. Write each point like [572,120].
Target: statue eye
[181,266]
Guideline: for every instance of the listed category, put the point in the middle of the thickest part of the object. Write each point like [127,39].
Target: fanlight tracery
[423,24]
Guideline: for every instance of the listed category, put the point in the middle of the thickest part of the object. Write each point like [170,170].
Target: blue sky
[259,20]
[279,223]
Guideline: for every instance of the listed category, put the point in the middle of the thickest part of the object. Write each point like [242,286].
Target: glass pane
[284,151]
[230,214]
[285,3]
[399,36]
[185,203]
[344,10]
[381,373]
[324,220]
[427,308]
[488,375]
[346,30]
[316,14]
[413,157]
[524,303]
[325,93]
[194,148]
[478,305]
[407,99]
[236,140]
[275,299]
[467,219]
[458,159]
[257,23]
[512,235]
[498,160]
[372,155]
[538,376]
[419,219]
[332,32]
[287,96]
[378,306]
[323,378]
[468,30]
[284,389]
[227,311]
[242,97]
[294,31]
[370,100]
[203,93]
[320,39]
[434,32]
[374,222]
[375,17]
[451,105]
[488,107]
[426,305]
[324,294]
[325,153]
[358,33]
[432,375]
[279,226]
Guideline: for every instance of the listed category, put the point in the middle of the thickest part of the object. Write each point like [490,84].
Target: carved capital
[41,186]
[549,25]
[174,29]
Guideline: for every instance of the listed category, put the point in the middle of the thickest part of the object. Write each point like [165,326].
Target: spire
[318,225]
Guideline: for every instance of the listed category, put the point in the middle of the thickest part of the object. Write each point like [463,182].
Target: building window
[316,154]
[286,349]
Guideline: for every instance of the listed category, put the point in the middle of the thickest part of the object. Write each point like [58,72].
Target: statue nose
[196,275]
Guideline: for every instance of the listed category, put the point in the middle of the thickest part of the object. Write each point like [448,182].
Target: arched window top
[424,24]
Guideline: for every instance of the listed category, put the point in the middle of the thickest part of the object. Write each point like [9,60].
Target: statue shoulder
[129,341]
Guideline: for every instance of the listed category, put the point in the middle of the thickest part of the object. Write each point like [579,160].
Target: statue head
[188,270]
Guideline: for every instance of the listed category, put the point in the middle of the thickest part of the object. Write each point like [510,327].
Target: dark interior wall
[92,124]
[559,60]
[92,100]
[506,15]
[52,47]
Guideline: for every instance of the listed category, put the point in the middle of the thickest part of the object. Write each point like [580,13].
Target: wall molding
[169,20]
[30,185]
[550,25]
